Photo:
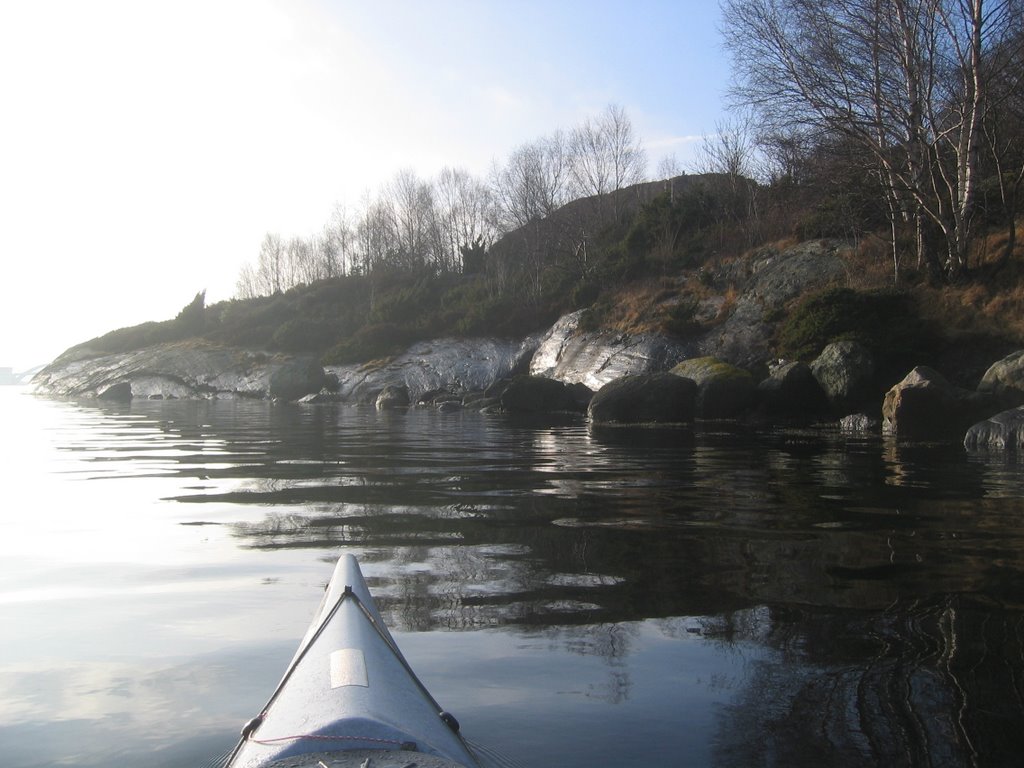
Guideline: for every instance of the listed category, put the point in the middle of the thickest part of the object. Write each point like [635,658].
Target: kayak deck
[372,758]
[349,692]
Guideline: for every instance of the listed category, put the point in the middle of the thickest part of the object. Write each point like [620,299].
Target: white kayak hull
[350,693]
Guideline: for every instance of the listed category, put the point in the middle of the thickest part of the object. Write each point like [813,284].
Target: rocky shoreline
[615,379]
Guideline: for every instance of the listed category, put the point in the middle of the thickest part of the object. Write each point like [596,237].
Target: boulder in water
[644,399]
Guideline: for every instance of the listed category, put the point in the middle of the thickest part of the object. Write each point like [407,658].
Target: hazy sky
[146,147]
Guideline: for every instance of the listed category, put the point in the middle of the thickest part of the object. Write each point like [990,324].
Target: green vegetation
[885,321]
[646,270]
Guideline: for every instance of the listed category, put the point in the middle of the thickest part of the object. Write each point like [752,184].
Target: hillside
[671,257]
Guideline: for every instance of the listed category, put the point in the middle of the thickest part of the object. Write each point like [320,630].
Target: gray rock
[723,390]
[860,423]
[319,397]
[452,365]
[393,396]
[295,379]
[1002,432]
[791,391]
[745,338]
[1005,379]
[644,399]
[118,393]
[180,370]
[925,406]
[845,370]
[537,394]
[594,359]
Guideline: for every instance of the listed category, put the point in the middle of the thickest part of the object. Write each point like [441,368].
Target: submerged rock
[1002,432]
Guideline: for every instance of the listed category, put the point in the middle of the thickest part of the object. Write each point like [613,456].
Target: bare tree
[377,233]
[340,236]
[270,266]
[904,78]
[606,156]
[533,182]
[411,201]
[303,267]
[247,285]
[465,214]
[1004,128]
[729,155]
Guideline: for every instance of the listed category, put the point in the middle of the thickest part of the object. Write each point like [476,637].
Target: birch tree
[906,79]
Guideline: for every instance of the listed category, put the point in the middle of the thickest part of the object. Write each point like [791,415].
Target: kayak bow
[349,697]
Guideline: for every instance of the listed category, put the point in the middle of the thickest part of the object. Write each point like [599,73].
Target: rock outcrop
[644,399]
[745,337]
[596,358]
[182,370]
[456,366]
[723,390]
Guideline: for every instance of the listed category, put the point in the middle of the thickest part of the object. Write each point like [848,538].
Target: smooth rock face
[594,359]
[454,365]
[1002,432]
[845,370]
[723,390]
[644,399]
[1005,379]
[182,370]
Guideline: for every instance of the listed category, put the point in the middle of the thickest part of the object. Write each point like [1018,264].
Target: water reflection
[936,683]
[781,598]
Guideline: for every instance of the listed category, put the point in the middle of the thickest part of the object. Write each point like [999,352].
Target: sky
[147,147]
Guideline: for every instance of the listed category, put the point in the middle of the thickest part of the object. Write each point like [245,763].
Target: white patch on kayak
[348,667]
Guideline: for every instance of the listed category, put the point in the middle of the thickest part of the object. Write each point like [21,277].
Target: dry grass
[637,307]
[991,303]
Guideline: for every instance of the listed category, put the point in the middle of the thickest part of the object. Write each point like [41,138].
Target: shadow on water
[880,582]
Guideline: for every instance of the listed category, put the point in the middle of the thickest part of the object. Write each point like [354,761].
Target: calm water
[681,598]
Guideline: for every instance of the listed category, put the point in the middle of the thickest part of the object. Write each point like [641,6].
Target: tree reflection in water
[880,582]
[917,684]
